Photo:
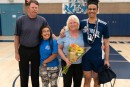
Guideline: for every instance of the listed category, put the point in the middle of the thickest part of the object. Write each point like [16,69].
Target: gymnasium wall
[116,14]
[114,8]
[105,8]
[57,1]
[118,23]
[49,8]
[11,1]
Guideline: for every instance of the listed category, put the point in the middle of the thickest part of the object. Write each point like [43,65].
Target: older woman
[73,35]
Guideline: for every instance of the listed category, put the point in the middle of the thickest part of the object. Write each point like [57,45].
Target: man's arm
[62,32]
[16,46]
[107,50]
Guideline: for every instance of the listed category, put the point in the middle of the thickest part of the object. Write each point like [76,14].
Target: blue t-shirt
[67,40]
[101,33]
[45,52]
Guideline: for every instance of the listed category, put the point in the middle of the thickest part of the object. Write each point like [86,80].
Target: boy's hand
[62,33]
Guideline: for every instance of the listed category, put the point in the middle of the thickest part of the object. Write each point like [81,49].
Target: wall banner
[75,7]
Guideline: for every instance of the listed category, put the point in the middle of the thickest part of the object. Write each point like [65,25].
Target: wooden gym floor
[119,59]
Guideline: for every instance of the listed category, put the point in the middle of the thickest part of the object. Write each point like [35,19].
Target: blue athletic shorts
[92,62]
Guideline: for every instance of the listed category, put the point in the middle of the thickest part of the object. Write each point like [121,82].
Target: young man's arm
[62,32]
[107,50]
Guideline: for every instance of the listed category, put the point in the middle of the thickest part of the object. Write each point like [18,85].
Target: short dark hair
[31,1]
[95,2]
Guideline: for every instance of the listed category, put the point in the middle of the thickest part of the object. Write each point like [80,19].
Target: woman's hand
[67,62]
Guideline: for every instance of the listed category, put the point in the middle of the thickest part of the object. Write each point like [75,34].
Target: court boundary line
[13,85]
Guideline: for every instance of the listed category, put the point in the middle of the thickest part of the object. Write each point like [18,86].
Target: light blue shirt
[67,40]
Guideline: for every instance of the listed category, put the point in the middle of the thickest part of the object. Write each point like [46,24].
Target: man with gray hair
[27,43]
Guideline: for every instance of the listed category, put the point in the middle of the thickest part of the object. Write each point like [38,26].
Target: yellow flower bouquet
[75,52]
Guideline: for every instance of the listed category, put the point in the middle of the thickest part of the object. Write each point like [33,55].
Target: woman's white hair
[73,17]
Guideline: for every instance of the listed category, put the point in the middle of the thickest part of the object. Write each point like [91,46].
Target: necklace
[91,36]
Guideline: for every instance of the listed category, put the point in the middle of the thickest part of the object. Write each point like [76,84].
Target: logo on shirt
[96,33]
[47,47]
[85,29]
[91,32]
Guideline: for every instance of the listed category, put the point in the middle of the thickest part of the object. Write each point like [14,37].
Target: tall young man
[95,31]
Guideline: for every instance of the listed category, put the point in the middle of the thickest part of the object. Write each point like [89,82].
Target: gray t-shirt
[28,29]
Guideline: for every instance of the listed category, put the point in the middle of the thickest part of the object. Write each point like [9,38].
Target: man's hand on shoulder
[62,32]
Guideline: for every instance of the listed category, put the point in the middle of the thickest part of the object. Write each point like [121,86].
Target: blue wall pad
[57,21]
[11,12]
